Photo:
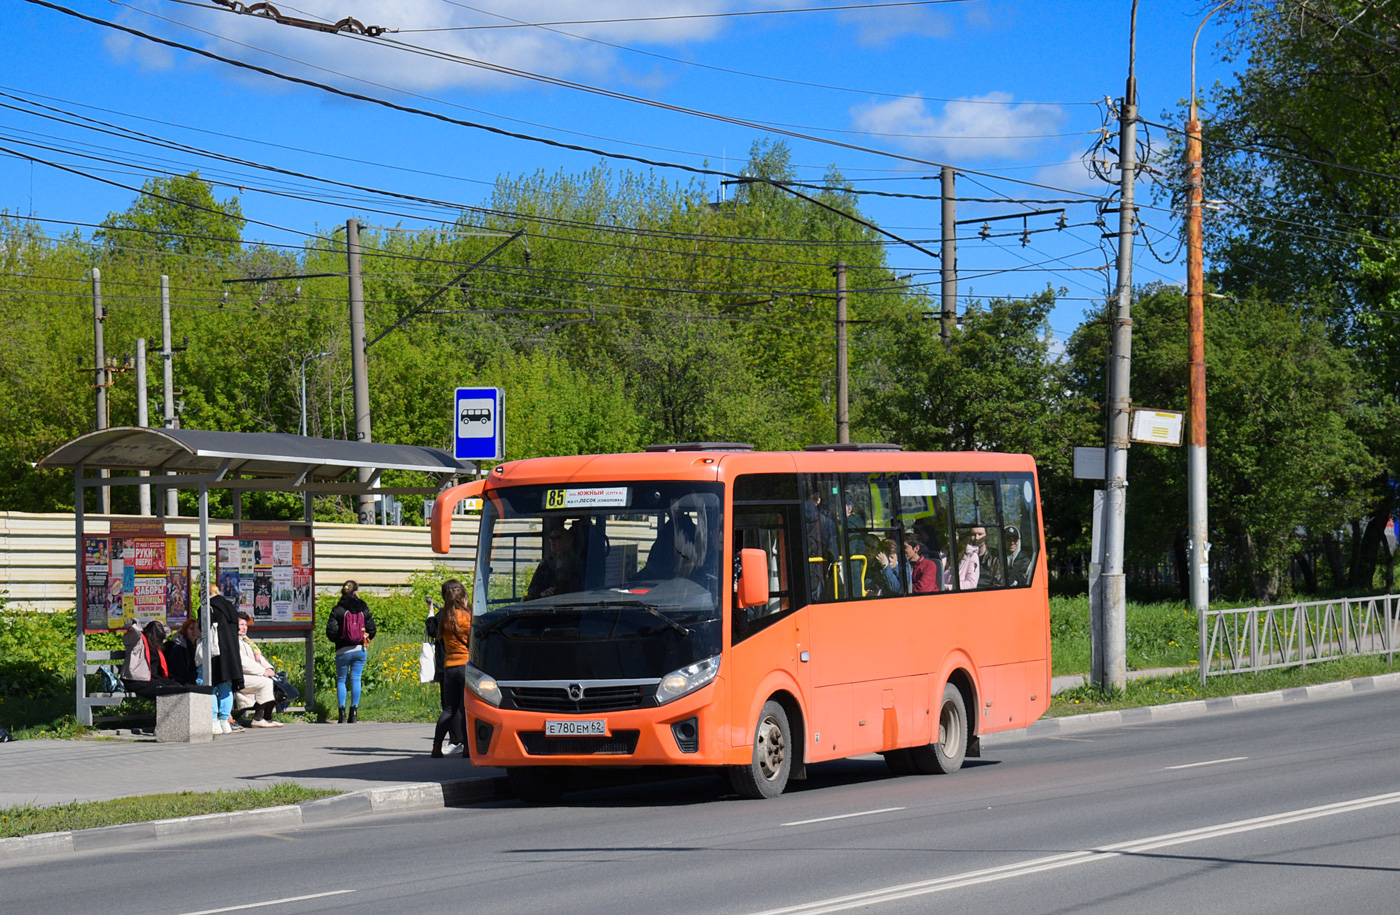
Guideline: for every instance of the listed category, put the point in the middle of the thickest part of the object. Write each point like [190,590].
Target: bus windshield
[599,581]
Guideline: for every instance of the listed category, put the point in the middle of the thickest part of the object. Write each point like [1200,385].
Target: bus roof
[722,465]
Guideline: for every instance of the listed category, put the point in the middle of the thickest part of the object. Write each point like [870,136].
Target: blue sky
[1010,93]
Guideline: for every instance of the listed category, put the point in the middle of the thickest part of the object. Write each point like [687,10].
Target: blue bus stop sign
[480,425]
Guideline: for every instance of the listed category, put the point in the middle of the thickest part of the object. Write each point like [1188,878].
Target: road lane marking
[1073,858]
[845,816]
[258,905]
[1213,762]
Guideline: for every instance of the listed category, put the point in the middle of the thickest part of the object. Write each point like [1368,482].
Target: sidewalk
[342,756]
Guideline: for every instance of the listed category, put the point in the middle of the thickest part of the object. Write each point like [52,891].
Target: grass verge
[1187,687]
[28,819]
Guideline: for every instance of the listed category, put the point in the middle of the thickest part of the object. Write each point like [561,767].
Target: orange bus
[710,605]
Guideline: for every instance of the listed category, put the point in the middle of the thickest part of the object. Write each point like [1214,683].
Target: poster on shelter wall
[273,578]
[262,595]
[146,577]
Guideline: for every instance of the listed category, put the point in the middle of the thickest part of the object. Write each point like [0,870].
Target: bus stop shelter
[201,460]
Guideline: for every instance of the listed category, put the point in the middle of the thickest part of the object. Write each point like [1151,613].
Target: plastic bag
[427,669]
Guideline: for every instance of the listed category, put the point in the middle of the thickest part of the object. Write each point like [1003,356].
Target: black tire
[945,755]
[766,775]
[538,785]
[901,762]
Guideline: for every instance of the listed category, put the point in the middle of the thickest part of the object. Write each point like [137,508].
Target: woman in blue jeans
[350,628]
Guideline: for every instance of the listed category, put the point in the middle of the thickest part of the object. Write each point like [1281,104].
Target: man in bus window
[923,573]
[1017,562]
[560,571]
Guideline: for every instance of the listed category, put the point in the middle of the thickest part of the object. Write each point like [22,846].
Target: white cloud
[536,50]
[875,28]
[985,125]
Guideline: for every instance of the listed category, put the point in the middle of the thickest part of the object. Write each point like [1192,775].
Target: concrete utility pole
[99,356]
[1198,530]
[1113,671]
[843,406]
[167,354]
[143,491]
[359,369]
[949,256]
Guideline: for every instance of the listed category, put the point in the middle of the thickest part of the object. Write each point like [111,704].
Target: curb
[389,799]
[1098,721]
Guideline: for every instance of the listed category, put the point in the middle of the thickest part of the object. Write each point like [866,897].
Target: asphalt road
[1283,809]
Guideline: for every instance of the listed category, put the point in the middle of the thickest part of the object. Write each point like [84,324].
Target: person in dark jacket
[350,647]
[182,653]
[225,668]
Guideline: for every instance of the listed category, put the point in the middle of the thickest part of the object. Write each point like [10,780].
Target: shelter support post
[83,711]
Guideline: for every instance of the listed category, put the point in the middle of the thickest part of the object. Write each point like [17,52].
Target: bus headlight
[484,686]
[686,680]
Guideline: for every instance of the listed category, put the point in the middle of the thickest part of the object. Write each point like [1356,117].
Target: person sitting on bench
[257,692]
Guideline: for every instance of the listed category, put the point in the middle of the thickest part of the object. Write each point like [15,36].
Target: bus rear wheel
[766,775]
[538,785]
[945,755]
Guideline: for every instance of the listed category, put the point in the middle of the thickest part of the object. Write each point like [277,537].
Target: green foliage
[1284,450]
[176,215]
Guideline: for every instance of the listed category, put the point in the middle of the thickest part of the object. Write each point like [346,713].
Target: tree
[176,215]
[1284,454]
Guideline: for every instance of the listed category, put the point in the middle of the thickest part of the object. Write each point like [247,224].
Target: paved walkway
[343,756]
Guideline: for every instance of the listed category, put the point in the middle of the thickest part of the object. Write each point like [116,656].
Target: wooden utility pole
[359,368]
[843,406]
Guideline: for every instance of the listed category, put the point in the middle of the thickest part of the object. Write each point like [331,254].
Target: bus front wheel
[766,775]
[538,785]
[945,755]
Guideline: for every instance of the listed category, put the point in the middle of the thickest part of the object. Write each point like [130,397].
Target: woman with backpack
[350,628]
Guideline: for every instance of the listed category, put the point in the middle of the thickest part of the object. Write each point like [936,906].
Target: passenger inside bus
[1018,562]
[968,563]
[882,571]
[923,573]
[988,560]
[561,571]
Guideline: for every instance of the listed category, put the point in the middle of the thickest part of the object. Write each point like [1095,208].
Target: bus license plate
[587,727]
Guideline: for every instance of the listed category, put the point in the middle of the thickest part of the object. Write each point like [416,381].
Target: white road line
[845,816]
[1213,762]
[258,905]
[1070,859]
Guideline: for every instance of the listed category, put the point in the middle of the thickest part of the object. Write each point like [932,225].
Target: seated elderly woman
[257,692]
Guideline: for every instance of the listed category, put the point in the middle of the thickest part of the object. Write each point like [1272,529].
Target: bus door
[766,641]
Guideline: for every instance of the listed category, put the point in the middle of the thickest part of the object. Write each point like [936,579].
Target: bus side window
[923,513]
[766,528]
[873,552]
[823,530]
[1020,530]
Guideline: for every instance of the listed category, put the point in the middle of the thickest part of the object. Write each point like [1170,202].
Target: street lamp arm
[1194,39]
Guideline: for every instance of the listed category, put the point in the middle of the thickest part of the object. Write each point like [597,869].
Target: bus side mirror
[440,524]
[753,578]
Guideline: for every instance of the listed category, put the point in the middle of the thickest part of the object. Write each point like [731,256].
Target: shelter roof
[247,454]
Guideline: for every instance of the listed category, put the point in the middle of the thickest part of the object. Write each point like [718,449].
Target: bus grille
[594,699]
[619,743]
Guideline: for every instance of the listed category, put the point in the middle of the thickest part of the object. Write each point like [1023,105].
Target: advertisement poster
[149,556]
[141,575]
[148,597]
[272,574]
[262,595]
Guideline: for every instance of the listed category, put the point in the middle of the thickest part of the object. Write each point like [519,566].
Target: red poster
[150,557]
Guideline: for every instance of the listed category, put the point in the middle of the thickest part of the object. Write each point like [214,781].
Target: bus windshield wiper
[631,605]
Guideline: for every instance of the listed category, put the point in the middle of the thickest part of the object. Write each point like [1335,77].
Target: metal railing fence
[1249,639]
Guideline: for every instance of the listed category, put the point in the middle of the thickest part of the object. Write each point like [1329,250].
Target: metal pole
[83,711]
[143,491]
[167,354]
[1114,635]
[303,386]
[359,369]
[100,375]
[1198,529]
[843,406]
[949,256]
